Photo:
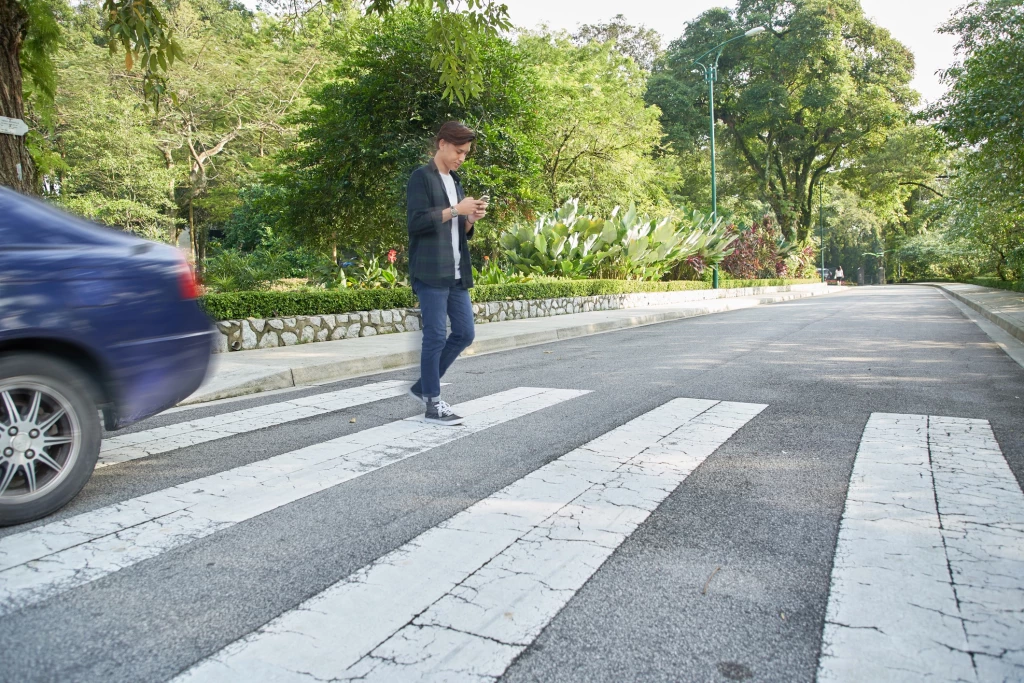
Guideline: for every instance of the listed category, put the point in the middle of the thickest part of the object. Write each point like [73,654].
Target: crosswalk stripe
[40,563]
[928,580]
[462,600]
[981,508]
[140,444]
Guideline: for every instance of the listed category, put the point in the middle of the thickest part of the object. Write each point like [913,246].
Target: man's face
[453,155]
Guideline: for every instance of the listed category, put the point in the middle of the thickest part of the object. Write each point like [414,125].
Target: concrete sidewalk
[248,372]
[1002,307]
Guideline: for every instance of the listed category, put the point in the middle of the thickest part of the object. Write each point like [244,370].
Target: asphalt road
[727,579]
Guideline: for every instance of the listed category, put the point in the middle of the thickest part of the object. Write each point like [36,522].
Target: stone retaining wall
[252,333]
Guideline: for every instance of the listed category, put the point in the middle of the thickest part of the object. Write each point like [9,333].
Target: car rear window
[31,222]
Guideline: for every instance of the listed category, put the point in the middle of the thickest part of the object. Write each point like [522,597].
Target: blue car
[92,321]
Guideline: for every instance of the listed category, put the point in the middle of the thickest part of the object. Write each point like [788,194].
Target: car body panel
[113,298]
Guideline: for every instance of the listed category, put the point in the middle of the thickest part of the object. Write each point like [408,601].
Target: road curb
[320,373]
[1003,322]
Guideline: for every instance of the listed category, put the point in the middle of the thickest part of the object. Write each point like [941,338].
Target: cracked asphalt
[727,580]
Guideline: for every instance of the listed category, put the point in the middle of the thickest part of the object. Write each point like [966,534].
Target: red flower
[487,258]
[392,256]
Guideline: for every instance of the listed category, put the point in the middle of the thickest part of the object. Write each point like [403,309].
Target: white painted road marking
[981,508]
[462,600]
[928,579]
[140,444]
[43,562]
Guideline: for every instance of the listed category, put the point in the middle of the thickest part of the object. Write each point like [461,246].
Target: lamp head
[755,31]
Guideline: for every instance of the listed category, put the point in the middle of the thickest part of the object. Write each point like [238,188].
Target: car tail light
[187,285]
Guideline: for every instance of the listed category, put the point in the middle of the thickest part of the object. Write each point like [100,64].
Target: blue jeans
[437,305]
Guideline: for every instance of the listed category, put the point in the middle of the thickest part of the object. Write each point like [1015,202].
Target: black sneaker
[414,391]
[439,412]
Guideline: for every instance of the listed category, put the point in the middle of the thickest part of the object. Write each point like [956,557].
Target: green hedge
[1017,286]
[237,305]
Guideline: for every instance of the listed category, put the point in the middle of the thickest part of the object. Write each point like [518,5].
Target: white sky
[912,22]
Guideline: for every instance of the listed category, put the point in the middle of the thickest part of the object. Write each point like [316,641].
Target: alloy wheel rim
[40,439]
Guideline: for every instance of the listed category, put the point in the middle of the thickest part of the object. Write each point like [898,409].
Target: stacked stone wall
[252,333]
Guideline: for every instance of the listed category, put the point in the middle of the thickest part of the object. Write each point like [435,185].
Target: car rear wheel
[49,435]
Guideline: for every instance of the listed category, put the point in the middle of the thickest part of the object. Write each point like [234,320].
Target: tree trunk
[16,168]
[169,164]
[192,236]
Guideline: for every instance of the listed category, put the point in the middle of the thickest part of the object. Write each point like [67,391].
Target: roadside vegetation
[274,145]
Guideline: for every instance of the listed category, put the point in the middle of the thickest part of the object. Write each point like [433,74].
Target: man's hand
[478,213]
[468,206]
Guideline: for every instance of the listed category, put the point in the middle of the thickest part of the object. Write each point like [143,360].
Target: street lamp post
[821,224]
[710,74]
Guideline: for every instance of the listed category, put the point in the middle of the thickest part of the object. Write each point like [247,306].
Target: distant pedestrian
[839,275]
[440,220]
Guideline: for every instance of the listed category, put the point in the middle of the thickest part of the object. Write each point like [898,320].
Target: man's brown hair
[454,132]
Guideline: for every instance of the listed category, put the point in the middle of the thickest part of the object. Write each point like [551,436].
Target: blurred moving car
[90,319]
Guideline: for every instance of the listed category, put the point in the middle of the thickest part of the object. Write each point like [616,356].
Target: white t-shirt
[453,199]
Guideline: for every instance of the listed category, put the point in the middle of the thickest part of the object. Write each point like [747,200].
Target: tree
[157,173]
[821,88]
[109,169]
[243,78]
[28,37]
[371,123]
[639,42]
[983,117]
[597,134]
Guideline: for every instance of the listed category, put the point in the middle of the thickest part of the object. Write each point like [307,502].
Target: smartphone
[486,198]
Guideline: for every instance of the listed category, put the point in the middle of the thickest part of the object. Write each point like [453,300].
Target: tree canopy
[820,88]
[290,130]
[983,117]
[345,182]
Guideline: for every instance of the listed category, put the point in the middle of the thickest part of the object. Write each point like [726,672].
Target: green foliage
[363,273]
[989,214]
[368,273]
[560,243]
[597,135]
[641,44]
[110,169]
[147,37]
[235,271]
[251,223]
[818,90]
[234,306]
[554,289]
[982,114]
[459,40]
[156,175]
[493,274]
[139,28]
[935,254]
[345,183]
[625,246]
[982,107]
[38,71]
[998,283]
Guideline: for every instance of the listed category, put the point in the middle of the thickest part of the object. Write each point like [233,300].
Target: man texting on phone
[440,220]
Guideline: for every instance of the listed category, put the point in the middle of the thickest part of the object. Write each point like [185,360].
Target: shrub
[761,251]
[236,305]
[565,243]
[1017,286]
[235,271]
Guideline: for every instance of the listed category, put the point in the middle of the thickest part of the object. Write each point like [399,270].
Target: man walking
[440,220]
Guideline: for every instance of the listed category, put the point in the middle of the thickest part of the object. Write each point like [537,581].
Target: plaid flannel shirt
[431,257]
